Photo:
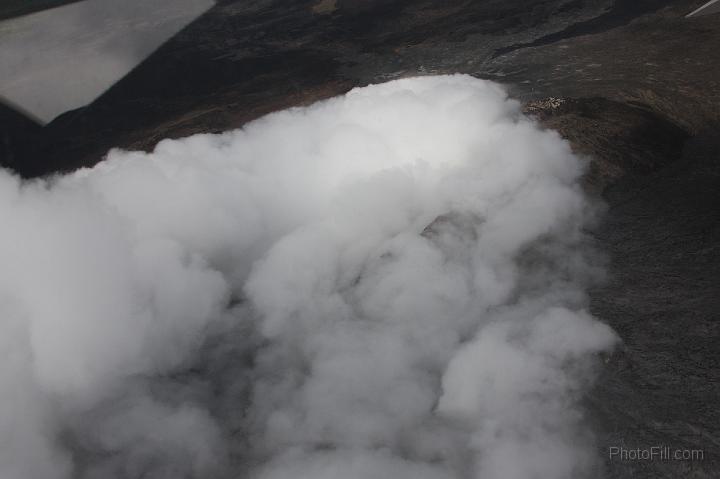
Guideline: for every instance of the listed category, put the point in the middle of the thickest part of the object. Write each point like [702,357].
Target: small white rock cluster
[550,103]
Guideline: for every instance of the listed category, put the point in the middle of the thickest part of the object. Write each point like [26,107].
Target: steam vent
[359,239]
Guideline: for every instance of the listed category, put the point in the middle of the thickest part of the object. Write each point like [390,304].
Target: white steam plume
[390,283]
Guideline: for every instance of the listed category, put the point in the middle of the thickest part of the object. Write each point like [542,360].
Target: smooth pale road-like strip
[713,6]
[63,58]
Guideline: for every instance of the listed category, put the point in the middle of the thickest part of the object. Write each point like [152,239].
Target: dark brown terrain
[241,60]
[631,83]
[14,8]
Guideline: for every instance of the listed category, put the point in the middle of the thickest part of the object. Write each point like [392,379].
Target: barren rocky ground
[631,83]
[13,8]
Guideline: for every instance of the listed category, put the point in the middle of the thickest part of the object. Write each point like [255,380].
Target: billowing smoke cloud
[386,284]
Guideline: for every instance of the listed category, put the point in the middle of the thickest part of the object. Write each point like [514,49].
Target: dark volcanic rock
[663,61]
[16,8]
[18,134]
[662,232]
[242,59]
[621,139]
